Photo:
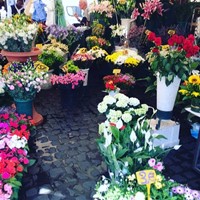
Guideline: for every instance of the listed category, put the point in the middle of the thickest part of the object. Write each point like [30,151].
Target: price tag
[116,71]
[39,46]
[146,177]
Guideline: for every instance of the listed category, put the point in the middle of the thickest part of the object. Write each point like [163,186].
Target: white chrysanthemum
[126,117]
[109,100]
[122,104]
[102,107]
[134,101]
[140,196]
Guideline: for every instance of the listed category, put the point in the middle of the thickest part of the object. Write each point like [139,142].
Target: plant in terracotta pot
[17,35]
[171,63]
[22,82]
[190,90]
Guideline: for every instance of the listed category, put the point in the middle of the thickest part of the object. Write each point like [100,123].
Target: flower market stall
[103,137]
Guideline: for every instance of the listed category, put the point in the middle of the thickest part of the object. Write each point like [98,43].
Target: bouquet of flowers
[125,142]
[126,57]
[97,41]
[128,188]
[17,34]
[82,58]
[124,8]
[98,29]
[102,11]
[173,59]
[117,30]
[22,81]
[97,52]
[72,76]
[122,81]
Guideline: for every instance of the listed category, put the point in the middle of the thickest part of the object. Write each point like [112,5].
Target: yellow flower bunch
[127,57]
[191,87]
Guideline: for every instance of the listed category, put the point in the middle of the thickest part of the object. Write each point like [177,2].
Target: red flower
[151,36]
[155,50]
[110,85]
[158,41]
[20,168]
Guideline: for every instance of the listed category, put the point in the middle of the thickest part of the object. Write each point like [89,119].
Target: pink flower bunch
[14,135]
[5,191]
[149,7]
[104,8]
[157,166]
[68,79]
[82,57]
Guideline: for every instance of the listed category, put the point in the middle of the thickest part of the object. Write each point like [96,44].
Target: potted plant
[171,63]
[22,82]
[17,35]
[69,82]
[190,90]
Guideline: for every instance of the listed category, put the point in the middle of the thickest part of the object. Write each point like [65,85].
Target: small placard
[146,177]
[116,71]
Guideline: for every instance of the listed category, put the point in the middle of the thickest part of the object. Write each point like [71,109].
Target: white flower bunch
[2,85]
[16,35]
[97,52]
[117,30]
[16,142]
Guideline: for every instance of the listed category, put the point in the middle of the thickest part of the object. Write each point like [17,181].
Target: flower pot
[195,105]
[21,56]
[126,22]
[24,106]
[166,96]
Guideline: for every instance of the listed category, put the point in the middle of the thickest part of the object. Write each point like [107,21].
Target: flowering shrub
[122,81]
[127,57]
[82,58]
[191,87]
[95,41]
[17,34]
[173,59]
[14,135]
[125,139]
[22,81]
[127,188]
[102,11]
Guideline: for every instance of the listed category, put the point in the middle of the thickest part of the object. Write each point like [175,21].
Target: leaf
[121,153]
[115,133]
[31,162]
[150,88]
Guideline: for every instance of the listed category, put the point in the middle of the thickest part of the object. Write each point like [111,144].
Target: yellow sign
[146,177]
[116,71]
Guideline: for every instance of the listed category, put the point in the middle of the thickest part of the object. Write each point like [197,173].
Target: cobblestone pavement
[68,163]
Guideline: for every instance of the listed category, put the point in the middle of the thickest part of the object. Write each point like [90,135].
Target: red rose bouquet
[174,58]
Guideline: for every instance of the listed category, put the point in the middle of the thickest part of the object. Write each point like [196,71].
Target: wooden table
[196,162]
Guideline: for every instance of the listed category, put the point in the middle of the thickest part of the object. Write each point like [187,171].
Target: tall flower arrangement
[173,59]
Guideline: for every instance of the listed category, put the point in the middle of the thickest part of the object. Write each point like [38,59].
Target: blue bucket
[24,107]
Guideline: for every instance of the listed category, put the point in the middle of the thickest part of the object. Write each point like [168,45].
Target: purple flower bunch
[188,193]
[56,32]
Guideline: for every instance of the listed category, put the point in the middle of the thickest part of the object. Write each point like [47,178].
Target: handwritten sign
[146,177]
[116,71]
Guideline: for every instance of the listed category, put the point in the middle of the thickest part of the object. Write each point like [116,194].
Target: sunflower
[194,79]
